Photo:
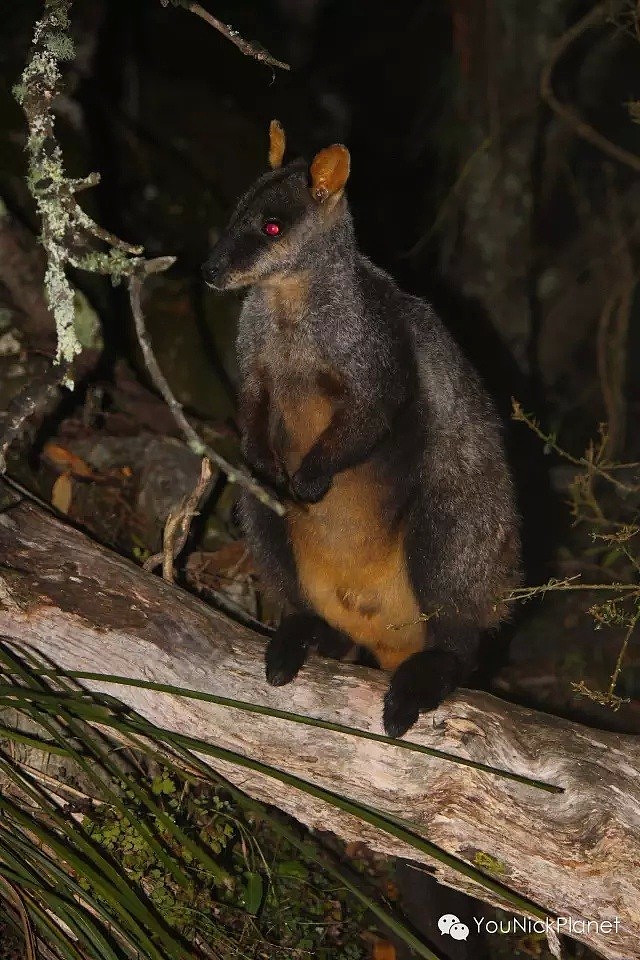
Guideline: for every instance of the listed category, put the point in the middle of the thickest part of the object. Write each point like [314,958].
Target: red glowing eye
[271,228]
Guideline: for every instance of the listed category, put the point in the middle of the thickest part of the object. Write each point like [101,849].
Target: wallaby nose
[209,271]
[215,267]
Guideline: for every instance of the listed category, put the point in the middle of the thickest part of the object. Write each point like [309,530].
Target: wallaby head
[274,225]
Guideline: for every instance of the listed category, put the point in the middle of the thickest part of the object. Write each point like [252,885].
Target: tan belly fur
[352,569]
[350,562]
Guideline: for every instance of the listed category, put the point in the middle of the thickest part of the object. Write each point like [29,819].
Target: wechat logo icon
[451,925]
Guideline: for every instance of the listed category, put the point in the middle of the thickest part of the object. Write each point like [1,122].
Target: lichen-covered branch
[68,233]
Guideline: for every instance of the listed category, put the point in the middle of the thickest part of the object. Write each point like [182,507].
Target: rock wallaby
[356,405]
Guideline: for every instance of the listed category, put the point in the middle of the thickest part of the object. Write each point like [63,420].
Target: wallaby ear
[329,171]
[277,143]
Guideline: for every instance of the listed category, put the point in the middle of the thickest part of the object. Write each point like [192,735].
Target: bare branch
[179,522]
[593,18]
[594,462]
[255,50]
[234,474]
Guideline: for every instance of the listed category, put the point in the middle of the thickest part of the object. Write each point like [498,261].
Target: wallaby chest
[304,391]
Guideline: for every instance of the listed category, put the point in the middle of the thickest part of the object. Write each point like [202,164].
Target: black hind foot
[287,649]
[419,684]
[331,642]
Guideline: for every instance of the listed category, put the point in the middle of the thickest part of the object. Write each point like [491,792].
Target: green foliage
[294,908]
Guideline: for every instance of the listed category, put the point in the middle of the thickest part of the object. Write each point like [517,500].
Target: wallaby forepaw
[309,489]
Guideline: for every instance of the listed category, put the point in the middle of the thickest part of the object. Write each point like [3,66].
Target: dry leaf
[231,560]
[383,950]
[62,493]
[66,461]
[391,891]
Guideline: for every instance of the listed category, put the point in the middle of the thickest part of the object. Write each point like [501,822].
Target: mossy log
[575,853]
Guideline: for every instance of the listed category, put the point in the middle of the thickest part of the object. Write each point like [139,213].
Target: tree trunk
[574,853]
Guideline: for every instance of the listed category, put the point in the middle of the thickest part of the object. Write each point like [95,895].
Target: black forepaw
[419,684]
[265,467]
[309,489]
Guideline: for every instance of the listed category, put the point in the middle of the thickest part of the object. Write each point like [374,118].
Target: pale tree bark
[574,853]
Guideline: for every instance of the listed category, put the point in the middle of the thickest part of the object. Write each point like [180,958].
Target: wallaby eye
[272,228]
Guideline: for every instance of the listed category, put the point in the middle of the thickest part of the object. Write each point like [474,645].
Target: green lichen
[60,45]
[114,262]
[19,92]
[60,299]
[484,861]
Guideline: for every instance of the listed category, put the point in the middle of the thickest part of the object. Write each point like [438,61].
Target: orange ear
[329,171]
[277,143]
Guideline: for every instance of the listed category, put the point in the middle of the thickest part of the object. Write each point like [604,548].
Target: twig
[610,698]
[234,474]
[607,699]
[553,586]
[179,521]
[255,50]
[623,649]
[597,15]
[592,464]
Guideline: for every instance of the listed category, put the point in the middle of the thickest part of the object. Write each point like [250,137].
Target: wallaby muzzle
[215,269]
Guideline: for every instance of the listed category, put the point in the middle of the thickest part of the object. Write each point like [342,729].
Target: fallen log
[575,853]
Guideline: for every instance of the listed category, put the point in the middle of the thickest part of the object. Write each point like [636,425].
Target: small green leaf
[253,892]
[292,868]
